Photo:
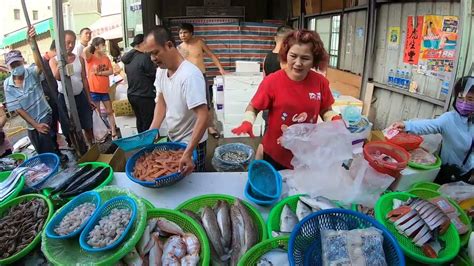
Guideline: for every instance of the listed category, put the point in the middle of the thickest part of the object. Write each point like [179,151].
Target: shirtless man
[193,50]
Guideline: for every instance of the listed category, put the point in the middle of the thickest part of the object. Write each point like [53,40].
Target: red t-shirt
[290,102]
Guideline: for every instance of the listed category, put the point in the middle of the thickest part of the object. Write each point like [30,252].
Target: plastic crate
[122,108]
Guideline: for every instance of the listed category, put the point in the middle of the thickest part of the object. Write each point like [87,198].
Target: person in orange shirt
[99,68]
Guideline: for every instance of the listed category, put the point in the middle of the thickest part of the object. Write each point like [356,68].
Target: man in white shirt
[181,98]
[83,42]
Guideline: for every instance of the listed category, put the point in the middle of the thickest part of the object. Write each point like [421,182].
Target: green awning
[20,35]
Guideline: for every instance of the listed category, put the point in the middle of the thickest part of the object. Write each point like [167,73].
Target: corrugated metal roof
[20,35]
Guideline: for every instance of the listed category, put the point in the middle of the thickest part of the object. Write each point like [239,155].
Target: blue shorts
[100,97]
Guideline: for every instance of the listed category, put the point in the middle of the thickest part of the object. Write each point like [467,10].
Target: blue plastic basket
[120,202]
[264,180]
[49,159]
[226,166]
[162,181]
[90,196]
[305,241]
[257,199]
[138,141]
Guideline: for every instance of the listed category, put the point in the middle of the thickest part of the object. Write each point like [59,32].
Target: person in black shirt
[141,72]
[271,64]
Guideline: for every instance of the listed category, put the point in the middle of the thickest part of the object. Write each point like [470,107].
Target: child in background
[457,130]
[99,68]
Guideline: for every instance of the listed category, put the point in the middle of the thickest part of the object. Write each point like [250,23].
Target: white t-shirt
[182,92]
[78,48]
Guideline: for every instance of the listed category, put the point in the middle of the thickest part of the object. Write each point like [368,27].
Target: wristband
[329,115]
[250,116]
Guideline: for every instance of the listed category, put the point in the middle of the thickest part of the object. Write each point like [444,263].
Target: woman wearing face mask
[291,95]
[99,68]
[457,130]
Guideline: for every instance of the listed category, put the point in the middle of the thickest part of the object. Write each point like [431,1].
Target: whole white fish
[170,227]
[250,230]
[223,220]
[133,258]
[302,210]
[145,243]
[318,203]
[156,251]
[190,260]
[170,260]
[175,246]
[7,187]
[275,257]
[238,234]
[209,222]
[288,220]
[192,243]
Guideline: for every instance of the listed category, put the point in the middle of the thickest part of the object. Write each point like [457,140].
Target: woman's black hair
[459,88]
[96,42]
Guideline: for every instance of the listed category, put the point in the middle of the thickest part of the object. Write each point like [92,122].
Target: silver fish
[145,243]
[133,258]
[156,251]
[275,257]
[190,260]
[425,230]
[238,234]
[409,223]
[175,246]
[302,210]
[415,227]
[320,202]
[423,240]
[7,187]
[192,244]
[223,220]
[170,227]
[250,229]
[405,217]
[288,220]
[209,221]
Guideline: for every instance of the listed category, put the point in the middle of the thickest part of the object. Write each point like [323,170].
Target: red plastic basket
[407,141]
[374,148]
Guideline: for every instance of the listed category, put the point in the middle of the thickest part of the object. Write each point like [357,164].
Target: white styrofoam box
[410,176]
[242,81]
[247,66]
[128,131]
[227,131]
[242,96]
[122,121]
[220,115]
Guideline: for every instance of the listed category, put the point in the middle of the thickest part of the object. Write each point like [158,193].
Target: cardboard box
[116,160]
[296,7]
[312,6]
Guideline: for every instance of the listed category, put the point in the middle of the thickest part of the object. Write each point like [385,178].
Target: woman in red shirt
[99,68]
[292,95]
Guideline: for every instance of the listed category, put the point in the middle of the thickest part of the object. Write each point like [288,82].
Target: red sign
[413,40]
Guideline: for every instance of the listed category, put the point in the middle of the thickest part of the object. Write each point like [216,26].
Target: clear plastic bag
[421,156]
[319,152]
[431,143]
[458,191]
[99,127]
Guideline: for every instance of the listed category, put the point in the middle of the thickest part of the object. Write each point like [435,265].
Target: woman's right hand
[400,126]
[245,128]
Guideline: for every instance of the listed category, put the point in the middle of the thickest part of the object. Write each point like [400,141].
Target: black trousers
[274,163]
[144,109]
[451,173]
[44,142]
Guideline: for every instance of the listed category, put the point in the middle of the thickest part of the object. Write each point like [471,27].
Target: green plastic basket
[428,194]
[273,220]
[385,204]
[197,203]
[188,225]
[59,202]
[426,185]
[148,204]
[37,238]
[18,156]
[68,251]
[16,191]
[252,256]
[437,164]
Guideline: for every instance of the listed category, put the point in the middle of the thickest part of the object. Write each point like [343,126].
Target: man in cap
[24,94]
[141,74]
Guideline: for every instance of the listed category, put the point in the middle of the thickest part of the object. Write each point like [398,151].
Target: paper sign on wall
[413,40]
[393,37]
